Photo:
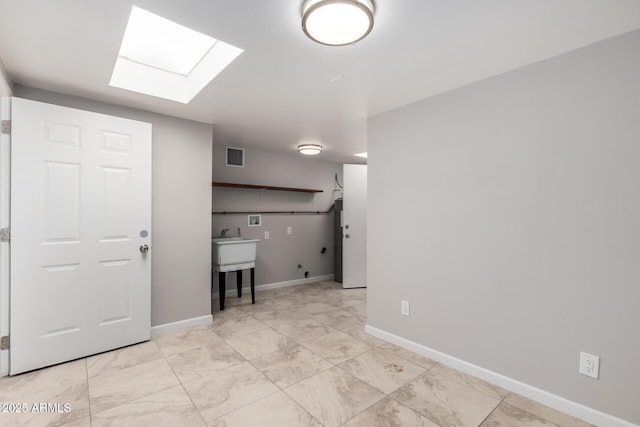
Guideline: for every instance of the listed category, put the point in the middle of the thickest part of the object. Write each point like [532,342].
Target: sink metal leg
[239,282]
[221,288]
[253,285]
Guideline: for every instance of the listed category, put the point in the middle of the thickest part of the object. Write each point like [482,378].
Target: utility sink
[226,239]
[233,253]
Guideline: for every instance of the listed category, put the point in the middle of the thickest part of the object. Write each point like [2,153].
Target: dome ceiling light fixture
[337,22]
[310,149]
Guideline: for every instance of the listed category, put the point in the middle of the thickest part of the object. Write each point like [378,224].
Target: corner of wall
[6,86]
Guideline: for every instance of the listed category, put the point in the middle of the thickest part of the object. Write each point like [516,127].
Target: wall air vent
[235,157]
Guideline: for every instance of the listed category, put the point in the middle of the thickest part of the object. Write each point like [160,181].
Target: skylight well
[161,58]
[158,42]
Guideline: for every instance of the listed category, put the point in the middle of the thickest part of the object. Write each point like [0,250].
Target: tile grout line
[331,363]
[376,389]
[298,343]
[299,406]
[249,361]
[139,397]
[527,411]
[415,412]
[463,383]
[492,411]
[86,370]
[299,381]
[182,386]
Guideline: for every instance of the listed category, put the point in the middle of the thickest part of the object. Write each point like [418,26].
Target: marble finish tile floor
[299,357]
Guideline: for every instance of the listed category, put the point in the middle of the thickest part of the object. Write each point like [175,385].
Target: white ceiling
[279,92]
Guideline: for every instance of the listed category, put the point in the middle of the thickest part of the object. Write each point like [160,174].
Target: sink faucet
[239,234]
[223,232]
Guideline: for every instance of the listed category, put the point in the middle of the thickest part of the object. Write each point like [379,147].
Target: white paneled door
[80,233]
[354,239]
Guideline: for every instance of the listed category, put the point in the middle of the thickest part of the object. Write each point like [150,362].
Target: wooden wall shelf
[275,212]
[265,187]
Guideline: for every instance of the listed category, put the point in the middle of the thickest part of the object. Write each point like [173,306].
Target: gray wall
[516,202]
[181,206]
[278,258]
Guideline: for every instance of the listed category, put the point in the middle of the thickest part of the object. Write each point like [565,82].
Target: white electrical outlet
[404,308]
[589,365]
[289,231]
[266,235]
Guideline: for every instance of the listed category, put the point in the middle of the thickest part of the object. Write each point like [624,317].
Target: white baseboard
[561,404]
[181,324]
[231,290]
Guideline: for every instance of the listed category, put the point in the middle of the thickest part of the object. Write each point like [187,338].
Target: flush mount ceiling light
[161,58]
[310,149]
[337,22]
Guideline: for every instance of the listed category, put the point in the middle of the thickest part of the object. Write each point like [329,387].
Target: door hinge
[6,127]
[5,342]
[5,234]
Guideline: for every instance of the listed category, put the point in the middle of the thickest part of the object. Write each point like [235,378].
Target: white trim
[5,191]
[232,291]
[561,404]
[180,325]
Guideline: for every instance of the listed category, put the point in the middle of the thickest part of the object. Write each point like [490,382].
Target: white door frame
[5,175]
[354,250]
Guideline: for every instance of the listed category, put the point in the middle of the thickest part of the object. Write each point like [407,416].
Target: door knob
[346,236]
[144,249]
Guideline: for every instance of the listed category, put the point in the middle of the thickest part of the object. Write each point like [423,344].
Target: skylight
[161,58]
[158,42]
